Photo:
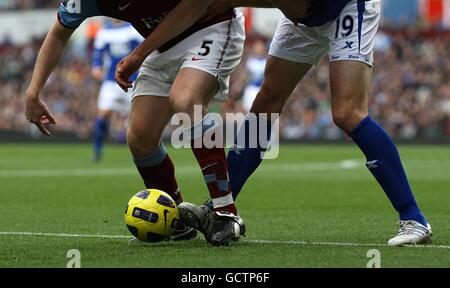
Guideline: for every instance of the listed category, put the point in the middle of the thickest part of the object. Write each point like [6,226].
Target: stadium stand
[410,93]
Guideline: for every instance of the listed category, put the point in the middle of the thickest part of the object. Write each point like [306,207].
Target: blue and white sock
[244,159]
[383,161]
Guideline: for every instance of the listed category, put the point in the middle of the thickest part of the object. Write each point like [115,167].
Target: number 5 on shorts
[206,47]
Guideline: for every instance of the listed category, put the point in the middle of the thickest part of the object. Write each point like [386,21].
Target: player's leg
[148,118]
[101,128]
[293,51]
[350,82]
[123,109]
[284,71]
[191,88]
[349,86]
[105,109]
[281,78]
[213,54]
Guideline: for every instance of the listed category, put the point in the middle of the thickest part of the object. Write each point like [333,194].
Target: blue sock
[100,132]
[243,159]
[383,161]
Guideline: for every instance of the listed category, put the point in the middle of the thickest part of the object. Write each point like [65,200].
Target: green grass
[304,195]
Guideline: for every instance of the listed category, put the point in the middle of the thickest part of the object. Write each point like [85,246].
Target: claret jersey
[145,16]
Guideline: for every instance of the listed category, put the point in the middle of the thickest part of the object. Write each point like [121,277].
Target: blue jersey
[324,11]
[144,15]
[256,67]
[112,43]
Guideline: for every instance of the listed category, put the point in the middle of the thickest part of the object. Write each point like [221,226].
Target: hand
[301,9]
[127,67]
[38,114]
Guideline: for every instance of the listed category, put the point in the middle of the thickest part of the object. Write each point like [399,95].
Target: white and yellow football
[151,215]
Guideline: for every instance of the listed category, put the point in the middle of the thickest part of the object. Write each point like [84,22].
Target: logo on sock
[237,149]
[372,164]
[210,165]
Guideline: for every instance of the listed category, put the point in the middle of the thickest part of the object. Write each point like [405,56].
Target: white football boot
[410,233]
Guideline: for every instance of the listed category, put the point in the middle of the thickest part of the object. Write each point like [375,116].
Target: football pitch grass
[314,206]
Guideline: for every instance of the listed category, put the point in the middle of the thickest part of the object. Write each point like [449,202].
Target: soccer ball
[151,215]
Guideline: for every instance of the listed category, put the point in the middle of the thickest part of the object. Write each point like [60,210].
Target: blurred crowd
[71,93]
[410,92]
[25,4]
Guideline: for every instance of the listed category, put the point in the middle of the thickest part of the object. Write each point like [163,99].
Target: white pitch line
[67,172]
[278,242]
[350,164]
[347,164]
[294,242]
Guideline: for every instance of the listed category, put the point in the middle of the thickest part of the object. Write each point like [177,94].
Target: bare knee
[349,93]
[348,118]
[141,141]
[183,104]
